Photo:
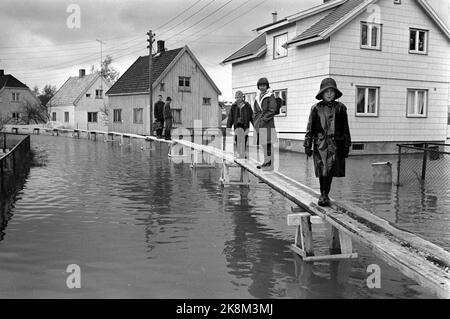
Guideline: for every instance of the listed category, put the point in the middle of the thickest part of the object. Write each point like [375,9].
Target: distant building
[79,102]
[13,95]
[390,59]
[176,73]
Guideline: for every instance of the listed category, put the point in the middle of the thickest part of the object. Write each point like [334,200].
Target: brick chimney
[160,45]
[82,73]
[275,16]
[2,72]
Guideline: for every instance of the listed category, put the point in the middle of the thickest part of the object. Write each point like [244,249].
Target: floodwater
[140,226]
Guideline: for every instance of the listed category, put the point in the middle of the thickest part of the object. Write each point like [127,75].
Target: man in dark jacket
[240,117]
[168,119]
[158,113]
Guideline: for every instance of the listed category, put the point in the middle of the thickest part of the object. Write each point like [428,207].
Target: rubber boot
[322,181]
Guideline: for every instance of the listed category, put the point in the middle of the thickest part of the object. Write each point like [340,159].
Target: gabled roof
[136,80]
[346,12]
[301,15]
[254,49]
[8,80]
[339,13]
[73,89]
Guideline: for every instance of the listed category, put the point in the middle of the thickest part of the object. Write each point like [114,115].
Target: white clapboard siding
[92,104]
[190,103]
[393,69]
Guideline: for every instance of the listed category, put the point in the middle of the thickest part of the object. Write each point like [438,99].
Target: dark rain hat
[262,81]
[169,98]
[327,84]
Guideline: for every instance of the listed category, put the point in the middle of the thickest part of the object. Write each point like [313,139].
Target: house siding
[300,72]
[92,104]
[190,103]
[7,106]
[393,70]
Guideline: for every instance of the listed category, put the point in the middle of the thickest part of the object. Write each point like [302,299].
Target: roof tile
[249,49]
[136,79]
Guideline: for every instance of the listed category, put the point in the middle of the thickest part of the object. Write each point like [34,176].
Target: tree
[36,90]
[37,112]
[108,71]
[47,93]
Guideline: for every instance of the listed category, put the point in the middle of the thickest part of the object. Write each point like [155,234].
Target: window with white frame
[250,98]
[15,97]
[367,101]
[417,101]
[66,117]
[282,94]
[176,115]
[138,115]
[371,35]
[117,115]
[418,41]
[279,50]
[92,117]
[15,115]
[184,84]
[54,116]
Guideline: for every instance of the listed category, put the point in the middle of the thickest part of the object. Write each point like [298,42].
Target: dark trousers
[168,129]
[325,184]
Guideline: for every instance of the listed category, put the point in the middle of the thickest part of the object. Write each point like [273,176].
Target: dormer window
[279,51]
[371,36]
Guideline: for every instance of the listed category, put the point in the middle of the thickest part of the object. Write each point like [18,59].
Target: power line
[181,13]
[204,18]
[195,13]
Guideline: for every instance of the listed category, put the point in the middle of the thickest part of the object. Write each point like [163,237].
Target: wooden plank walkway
[418,259]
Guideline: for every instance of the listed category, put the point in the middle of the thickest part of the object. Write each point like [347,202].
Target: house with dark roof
[13,95]
[389,57]
[176,73]
[80,103]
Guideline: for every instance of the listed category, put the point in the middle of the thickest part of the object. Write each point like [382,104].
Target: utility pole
[101,61]
[150,67]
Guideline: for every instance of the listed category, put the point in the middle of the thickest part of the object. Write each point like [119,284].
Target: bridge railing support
[340,246]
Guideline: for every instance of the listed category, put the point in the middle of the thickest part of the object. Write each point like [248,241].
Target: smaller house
[13,96]
[176,73]
[80,102]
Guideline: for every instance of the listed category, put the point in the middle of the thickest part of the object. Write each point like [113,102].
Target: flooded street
[140,226]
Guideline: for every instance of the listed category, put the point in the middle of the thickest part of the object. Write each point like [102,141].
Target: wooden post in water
[424,161]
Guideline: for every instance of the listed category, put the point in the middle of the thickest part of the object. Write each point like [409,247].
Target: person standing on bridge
[265,108]
[240,117]
[168,119]
[158,112]
[328,137]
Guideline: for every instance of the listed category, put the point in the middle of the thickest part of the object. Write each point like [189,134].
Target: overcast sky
[38,47]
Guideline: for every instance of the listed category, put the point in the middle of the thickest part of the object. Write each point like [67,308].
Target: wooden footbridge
[418,259]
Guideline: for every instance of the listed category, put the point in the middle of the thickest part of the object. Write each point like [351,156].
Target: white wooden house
[390,59]
[80,102]
[176,73]
[13,96]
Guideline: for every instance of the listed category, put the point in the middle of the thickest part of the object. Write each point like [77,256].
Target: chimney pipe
[160,45]
[82,73]
[274,16]
[2,72]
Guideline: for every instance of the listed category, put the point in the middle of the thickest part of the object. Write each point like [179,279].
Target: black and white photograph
[235,152]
